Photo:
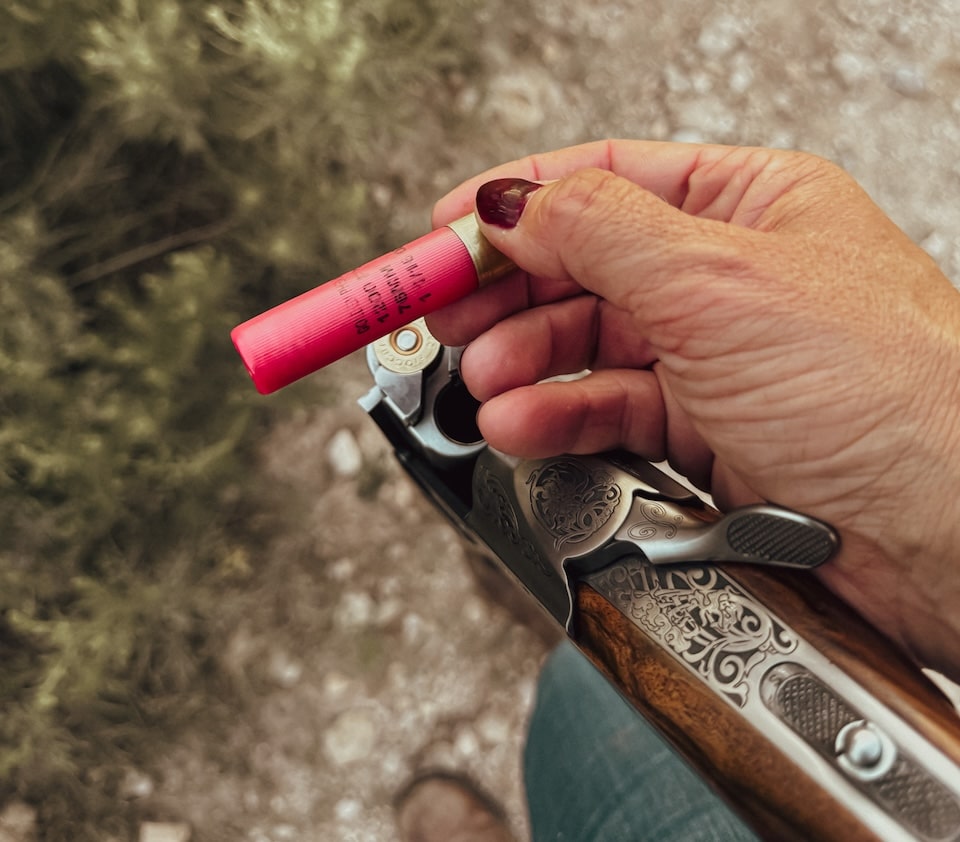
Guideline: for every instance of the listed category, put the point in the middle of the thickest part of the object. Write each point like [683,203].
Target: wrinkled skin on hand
[755,318]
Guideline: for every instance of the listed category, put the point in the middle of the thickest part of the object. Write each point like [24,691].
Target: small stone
[742,76]
[526,692]
[441,754]
[475,611]
[466,744]
[687,135]
[519,102]
[709,117]
[335,685]
[391,586]
[851,67]
[164,832]
[701,82]
[354,611]
[414,629]
[719,36]
[344,454]
[381,194]
[392,766]
[936,245]
[136,784]
[341,570]
[781,139]
[493,730]
[909,80]
[467,100]
[676,80]
[405,494]
[18,822]
[515,107]
[347,809]
[283,670]
[352,737]
[388,611]
[284,833]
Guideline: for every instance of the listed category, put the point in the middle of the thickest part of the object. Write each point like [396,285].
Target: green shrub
[167,168]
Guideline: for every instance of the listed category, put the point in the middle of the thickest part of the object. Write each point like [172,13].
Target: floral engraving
[658,524]
[491,498]
[570,501]
[707,621]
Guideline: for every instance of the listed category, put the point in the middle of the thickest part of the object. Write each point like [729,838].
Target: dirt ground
[381,654]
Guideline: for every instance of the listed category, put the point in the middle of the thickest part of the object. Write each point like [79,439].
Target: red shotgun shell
[330,321]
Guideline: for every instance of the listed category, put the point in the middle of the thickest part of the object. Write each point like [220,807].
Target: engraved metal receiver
[694,615]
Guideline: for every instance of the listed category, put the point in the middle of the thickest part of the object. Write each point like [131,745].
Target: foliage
[167,167]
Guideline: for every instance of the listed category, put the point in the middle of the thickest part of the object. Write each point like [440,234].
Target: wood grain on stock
[858,649]
[762,784]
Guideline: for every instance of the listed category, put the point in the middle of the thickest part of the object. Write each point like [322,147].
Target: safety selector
[863,751]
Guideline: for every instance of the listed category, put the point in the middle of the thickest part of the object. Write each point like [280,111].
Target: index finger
[662,168]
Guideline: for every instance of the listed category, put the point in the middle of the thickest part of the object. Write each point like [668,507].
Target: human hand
[753,317]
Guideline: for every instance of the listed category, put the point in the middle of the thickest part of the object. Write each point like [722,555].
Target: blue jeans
[596,772]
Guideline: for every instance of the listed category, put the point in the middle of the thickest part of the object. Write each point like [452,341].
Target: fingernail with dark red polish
[502,201]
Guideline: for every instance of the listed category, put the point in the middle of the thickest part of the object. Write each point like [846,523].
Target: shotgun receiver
[801,715]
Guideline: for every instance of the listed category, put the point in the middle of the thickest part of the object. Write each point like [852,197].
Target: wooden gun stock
[764,785]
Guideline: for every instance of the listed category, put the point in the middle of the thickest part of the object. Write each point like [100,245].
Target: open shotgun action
[803,717]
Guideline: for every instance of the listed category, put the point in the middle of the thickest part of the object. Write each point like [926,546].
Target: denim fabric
[596,772]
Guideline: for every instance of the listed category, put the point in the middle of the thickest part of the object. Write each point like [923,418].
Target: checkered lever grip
[771,535]
[763,534]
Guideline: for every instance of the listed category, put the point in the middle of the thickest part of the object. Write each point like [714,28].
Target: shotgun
[803,717]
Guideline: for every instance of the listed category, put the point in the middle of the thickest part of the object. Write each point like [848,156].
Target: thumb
[603,232]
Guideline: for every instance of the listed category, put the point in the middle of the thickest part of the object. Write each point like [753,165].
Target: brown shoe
[447,807]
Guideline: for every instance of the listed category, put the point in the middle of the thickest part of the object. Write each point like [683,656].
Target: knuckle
[582,210]
[583,195]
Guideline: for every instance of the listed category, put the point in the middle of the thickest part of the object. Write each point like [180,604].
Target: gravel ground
[381,655]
